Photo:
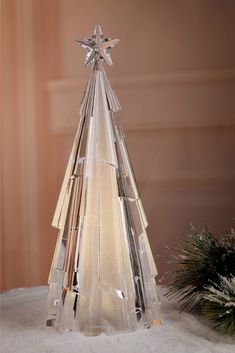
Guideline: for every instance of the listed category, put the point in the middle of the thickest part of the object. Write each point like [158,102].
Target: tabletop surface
[22,331]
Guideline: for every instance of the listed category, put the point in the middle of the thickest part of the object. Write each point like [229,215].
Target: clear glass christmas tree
[102,274]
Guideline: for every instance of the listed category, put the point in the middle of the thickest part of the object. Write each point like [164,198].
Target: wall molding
[188,181]
[184,100]
[179,125]
[160,78]
[151,128]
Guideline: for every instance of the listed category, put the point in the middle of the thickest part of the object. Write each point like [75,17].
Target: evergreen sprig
[219,305]
[202,261]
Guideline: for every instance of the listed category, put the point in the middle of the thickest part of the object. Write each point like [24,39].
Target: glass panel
[102,273]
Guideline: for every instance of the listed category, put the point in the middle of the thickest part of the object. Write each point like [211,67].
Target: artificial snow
[22,331]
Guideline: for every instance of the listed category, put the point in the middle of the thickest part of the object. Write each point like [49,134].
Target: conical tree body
[102,275]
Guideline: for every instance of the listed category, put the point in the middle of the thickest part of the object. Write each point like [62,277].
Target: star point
[98,47]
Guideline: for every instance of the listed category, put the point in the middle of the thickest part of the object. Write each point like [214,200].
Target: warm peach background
[174,72]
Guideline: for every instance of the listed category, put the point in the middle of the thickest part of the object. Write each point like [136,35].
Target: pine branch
[219,305]
[200,259]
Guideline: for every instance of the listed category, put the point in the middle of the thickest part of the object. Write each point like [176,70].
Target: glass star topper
[98,47]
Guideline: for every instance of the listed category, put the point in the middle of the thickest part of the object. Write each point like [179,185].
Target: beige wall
[174,73]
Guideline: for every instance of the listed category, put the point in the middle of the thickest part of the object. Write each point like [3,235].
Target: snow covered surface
[22,331]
